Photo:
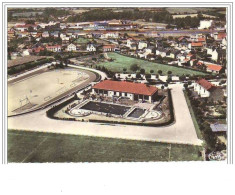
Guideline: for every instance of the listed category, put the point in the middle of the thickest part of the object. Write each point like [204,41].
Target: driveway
[182,131]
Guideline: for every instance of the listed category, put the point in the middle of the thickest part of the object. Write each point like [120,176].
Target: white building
[72,47]
[25,52]
[142,45]
[113,35]
[205,24]
[202,87]
[130,42]
[214,54]
[45,34]
[90,47]
[54,48]
[133,91]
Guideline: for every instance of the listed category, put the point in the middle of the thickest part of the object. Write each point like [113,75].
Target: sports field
[121,62]
[49,147]
[33,91]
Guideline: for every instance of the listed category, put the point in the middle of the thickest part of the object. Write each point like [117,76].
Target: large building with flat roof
[133,91]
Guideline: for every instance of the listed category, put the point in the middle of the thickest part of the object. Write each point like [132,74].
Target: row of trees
[135,14]
[135,67]
[162,16]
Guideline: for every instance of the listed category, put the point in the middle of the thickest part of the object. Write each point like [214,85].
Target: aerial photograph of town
[116,84]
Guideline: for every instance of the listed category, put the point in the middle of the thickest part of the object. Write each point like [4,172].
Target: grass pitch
[121,62]
[26,146]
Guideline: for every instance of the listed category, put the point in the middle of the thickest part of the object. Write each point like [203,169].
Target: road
[182,131]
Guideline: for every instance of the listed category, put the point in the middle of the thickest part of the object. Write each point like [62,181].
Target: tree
[124,70]
[138,76]
[142,71]
[162,87]
[159,72]
[148,76]
[151,71]
[134,67]
[185,85]
[169,72]
[30,22]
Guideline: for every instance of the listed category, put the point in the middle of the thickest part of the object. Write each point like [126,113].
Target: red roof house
[108,47]
[132,89]
[214,68]
[205,84]
[196,44]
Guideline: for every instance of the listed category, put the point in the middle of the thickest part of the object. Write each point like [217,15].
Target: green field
[82,40]
[26,146]
[121,62]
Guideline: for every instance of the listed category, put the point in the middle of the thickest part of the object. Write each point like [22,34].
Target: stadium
[34,91]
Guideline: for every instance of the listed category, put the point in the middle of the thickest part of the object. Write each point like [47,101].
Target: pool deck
[182,131]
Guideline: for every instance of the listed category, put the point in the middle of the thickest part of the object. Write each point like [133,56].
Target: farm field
[50,147]
[121,62]
[33,91]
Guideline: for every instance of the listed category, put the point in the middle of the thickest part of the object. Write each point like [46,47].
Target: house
[142,45]
[220,36]
[195,45]
[162,52]
[107,48]
[133,46]
[133,91]
[193,62]
[224,43]
[206,89]
[213,52]
[71,47]
[55,34]
[107,35]
[25,27]
[45,34]
[26,52]
[173,54]
[38,49]
[130,42]
[218,128]
[23,34]
[214,68]
[54,48]
[149,50]
[183,42]
[91,47]
[11,34]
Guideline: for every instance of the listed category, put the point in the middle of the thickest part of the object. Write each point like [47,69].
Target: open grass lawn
[121,62]
[82,40]
[26,146]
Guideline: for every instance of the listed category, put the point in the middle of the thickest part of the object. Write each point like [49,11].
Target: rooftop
[197,44]
[214,67]
[218,127]
[205,84]
[128,87]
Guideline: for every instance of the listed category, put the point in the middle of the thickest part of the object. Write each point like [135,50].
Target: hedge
[26,66]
